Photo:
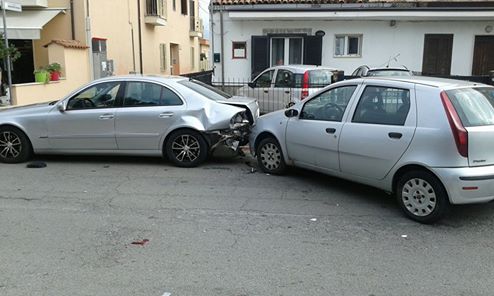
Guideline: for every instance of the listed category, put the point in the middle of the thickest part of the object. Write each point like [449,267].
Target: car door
[380,130]
[261,89]
[312,138]
[87,122]
[282,90]
[148,110]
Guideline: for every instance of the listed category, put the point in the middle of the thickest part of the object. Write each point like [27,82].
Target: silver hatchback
[430,141]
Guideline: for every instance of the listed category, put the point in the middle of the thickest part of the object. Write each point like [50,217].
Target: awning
[28,23]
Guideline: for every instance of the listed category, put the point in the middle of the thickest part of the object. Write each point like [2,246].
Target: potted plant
[41,75]
[54,70]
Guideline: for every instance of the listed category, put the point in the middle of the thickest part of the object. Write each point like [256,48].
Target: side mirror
[251,84]
[61,107]
[291,113]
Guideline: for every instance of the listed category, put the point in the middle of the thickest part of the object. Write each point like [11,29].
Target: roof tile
[68,44]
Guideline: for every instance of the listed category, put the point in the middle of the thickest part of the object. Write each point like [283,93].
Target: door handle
[166,115]
[266,91]
[330,130]
[106,116]
[287,91]
[395,135]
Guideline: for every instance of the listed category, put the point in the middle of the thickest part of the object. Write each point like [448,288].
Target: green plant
[11,51]
[40,70]
[41,75]
[54,67]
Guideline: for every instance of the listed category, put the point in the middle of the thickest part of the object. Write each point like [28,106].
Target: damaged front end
[235,136]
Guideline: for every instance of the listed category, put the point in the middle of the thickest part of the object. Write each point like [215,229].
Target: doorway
[174,59]
[438,50]
[22,70]
[483,59]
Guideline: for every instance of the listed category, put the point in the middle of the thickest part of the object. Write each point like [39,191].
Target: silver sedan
[181,119]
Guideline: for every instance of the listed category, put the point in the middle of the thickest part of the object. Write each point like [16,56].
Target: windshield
[475,106]
[380,73]
[205,90]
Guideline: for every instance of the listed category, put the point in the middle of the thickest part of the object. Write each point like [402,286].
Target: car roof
[389,69]
[302,68]
[150,78]
[441,83]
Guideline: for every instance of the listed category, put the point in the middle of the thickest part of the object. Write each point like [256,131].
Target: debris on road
[36,165]
[404,236]
[140,243]
[313,219]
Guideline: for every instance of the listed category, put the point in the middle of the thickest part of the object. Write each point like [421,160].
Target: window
[475,106]
[174,5]
[206,90]
[239,50]
[102,95]
[383,105]
[163,57]
[284,78]
[348,45]
[264,80]
[286,50]
[328,106]
[141,94]
[183,4]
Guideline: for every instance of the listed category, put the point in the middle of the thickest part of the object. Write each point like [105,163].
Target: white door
[380,130]
[312,138]
[88,121]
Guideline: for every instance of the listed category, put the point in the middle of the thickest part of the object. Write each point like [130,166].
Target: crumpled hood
[238,101]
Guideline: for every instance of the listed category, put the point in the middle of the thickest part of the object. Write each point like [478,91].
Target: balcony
[155,13]
[196,27]
[33,3]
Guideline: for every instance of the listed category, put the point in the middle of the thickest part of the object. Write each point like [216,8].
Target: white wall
[380,42]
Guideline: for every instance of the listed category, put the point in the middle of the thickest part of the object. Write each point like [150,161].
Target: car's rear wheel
[422,196]
[14,145]
[186,148]
[270,156]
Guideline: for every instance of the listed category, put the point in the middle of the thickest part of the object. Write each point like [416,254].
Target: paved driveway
[221,230]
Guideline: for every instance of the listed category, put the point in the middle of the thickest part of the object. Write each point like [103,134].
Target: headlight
[239,120]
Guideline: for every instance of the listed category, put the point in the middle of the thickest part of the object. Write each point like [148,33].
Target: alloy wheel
[186,148]
[10,145]
[419,197]
[270,156]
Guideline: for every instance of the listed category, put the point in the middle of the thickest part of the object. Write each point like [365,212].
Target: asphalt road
[220,229]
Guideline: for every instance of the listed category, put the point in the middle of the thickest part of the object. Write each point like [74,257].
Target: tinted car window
[284,78]
[102,95]
[142,94]
[264,80]
[383,105]
[320,78]
[169,98]
[328,106]
[475,106]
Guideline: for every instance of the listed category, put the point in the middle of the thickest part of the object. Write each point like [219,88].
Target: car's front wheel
[14,145]
[186,148]
[270,156]
[422,196]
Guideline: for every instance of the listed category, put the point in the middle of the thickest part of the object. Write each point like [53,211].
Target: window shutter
[163,57]
[260,54]
[313,50]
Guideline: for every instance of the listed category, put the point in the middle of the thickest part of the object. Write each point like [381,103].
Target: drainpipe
[89,42]
[211,31]
[222,50]
[132,40]
[72,25]
[140,34]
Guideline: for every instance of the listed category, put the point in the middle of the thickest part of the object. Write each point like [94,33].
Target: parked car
[428,140]
[278,86]
[366,71]
[176,117]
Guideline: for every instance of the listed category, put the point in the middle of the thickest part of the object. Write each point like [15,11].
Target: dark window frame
[237,43]
[355,86]
[116,101]
[122,105]
[183,7]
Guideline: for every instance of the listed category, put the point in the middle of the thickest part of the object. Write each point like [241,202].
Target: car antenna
[392,58]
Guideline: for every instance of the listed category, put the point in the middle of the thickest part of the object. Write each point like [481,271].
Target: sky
[204,14]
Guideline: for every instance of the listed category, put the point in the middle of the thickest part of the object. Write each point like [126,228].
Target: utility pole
[9,73]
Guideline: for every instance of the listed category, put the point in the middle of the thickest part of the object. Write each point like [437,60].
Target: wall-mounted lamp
[488,29]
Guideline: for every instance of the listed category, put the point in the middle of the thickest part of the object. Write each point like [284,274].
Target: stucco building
[117,36]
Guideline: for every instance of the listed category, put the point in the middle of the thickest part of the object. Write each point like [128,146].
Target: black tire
[270,156]
[15,146]
[422,197]
[193,153]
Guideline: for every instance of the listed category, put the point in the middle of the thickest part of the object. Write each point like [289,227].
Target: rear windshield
[206,90]
[380,73]
[317,78]
[475,106]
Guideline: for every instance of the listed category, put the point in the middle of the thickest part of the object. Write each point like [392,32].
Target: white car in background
[278,86]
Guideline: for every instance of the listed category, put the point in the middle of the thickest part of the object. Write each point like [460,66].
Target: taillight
[305,86]
[459,132]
